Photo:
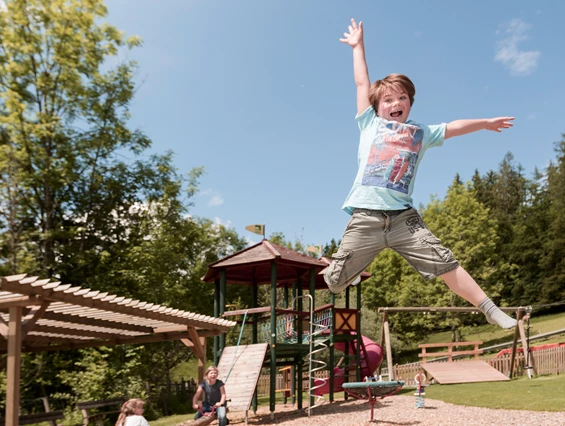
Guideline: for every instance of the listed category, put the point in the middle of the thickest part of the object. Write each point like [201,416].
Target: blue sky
[261,94]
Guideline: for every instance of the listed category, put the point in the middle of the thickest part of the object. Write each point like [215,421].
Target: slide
[374,359]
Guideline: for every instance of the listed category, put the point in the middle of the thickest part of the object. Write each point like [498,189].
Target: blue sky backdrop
[261,94]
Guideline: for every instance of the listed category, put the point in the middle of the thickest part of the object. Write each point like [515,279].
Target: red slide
[374,359]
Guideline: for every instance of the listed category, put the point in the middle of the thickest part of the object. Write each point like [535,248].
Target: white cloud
[227,223]
[3,7]
[519,62]
[214,198]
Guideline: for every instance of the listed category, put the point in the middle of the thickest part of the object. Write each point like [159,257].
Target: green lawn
[544,393]
[172,420]
[491,334]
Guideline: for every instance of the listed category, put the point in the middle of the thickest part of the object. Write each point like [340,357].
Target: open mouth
[396,114]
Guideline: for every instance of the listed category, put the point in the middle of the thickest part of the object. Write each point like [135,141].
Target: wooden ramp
[247,362]
[463,372]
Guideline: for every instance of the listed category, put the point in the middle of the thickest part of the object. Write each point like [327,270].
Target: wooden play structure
[458,372]
[43,315]
[448,371]
[293,328]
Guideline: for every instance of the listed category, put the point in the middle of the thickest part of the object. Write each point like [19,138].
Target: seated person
[214,394]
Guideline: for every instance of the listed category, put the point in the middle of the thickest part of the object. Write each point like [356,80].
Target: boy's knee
[335,274]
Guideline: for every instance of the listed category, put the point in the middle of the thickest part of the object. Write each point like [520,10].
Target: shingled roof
[253,264]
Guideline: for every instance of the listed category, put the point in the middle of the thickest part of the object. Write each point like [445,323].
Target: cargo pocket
[435,244]
[336,276]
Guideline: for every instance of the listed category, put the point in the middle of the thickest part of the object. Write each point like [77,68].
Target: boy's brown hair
[392,81]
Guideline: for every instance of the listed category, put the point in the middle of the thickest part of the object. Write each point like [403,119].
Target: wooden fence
[545,361]
[265,379]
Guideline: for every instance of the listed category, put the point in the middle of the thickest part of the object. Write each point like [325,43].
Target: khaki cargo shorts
[370,231]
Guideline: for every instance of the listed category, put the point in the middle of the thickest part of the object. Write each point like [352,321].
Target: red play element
[532,348]
[371,358]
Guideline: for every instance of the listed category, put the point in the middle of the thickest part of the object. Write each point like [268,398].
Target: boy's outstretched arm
[462,127]
[360,72]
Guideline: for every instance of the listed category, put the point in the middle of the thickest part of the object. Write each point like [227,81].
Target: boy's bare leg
[462,284]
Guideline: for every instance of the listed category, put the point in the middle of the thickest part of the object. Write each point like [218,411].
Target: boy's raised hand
[498,123]
[355,34]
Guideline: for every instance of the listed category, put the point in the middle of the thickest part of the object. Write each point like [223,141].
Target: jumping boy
[380,203]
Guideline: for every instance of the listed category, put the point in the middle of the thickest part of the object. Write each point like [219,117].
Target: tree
[62,119]
[72,206]
[504,192]
[552,264]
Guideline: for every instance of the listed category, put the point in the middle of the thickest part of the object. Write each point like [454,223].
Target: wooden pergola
[40,315]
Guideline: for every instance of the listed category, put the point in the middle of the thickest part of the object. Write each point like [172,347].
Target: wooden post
[13,366]
[293,368]
[359,337]
[254,337]
[388,347]
[216,315]
[332,348]
[202,362]
[515,344]
[222,306]
[525,348]
[273,382]
[347,366]
[299,372]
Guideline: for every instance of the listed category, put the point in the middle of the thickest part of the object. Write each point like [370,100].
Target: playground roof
[253,264]
[62,316]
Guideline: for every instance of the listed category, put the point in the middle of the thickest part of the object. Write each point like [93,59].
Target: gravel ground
[398,410]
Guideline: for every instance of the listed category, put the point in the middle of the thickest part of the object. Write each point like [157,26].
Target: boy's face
[394,105]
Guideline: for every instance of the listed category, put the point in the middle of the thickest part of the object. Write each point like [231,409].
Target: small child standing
[131,413]
[380,201]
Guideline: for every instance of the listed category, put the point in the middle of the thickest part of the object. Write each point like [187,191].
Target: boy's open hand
[498,123]
[355,34]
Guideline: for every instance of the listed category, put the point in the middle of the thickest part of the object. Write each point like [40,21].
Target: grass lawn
[490,334]
[172,420]
[544,393]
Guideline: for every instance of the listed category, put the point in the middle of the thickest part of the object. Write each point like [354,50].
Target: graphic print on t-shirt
[393,156]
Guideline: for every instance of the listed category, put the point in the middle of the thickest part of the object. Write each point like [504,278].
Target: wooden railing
[545,361]
[449,353]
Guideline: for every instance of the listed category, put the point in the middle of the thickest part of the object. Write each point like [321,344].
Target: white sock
[495,315]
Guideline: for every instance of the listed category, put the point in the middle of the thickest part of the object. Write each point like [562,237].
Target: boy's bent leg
[462,284]
[362,241]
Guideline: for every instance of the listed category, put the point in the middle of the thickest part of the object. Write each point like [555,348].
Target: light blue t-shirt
[388,158]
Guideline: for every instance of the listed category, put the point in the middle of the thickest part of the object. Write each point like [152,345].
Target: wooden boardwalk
[247,361]
[463,372]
